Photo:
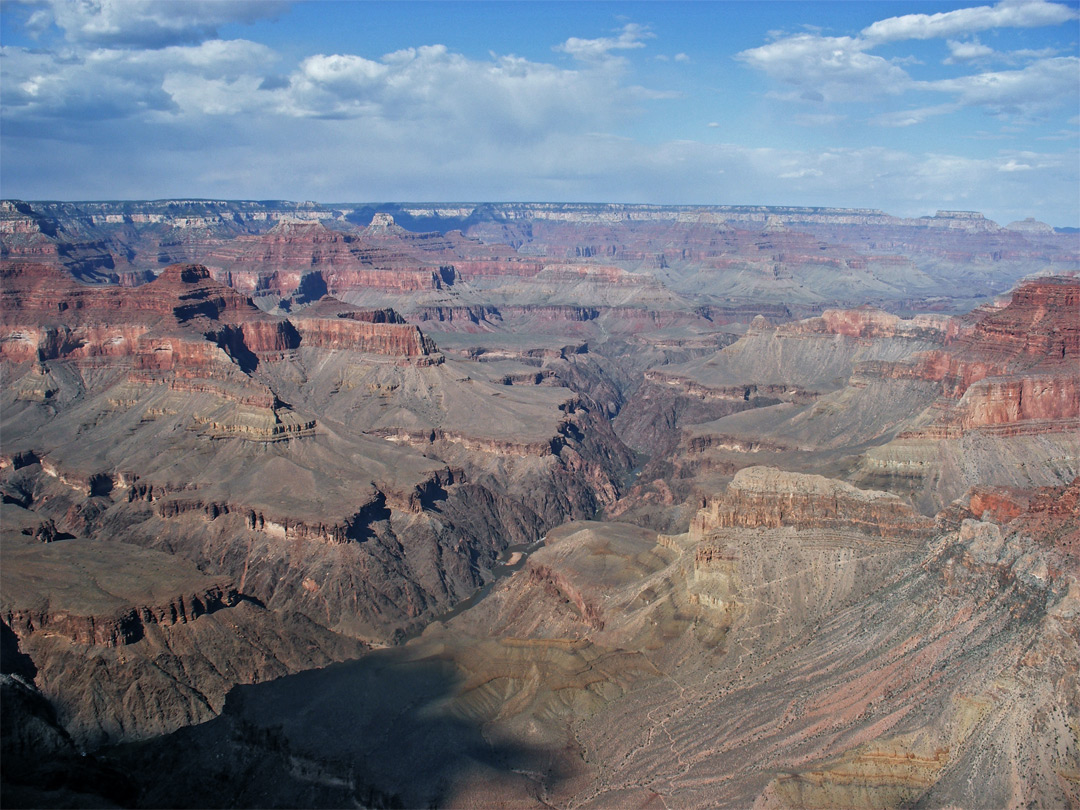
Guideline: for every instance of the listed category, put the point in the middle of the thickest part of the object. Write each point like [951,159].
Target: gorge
[794,493]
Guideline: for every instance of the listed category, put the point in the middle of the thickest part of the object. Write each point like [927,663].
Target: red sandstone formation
[395,340]
[183,320]
[383,258]
[1016,363]
[769,498]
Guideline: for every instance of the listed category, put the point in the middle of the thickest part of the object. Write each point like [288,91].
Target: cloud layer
[835,70]
[145,98]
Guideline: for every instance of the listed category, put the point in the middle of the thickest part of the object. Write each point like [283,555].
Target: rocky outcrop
[95,321]
[1002,401]
[350,529]
[120,629]
[1011,375]
[872,323]
[559,587]
[765,497]
[391,339]
[127,642]
[271,248]
[1039,321]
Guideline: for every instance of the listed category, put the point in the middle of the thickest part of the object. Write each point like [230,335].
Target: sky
[908,107]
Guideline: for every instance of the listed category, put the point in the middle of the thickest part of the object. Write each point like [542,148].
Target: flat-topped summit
[384,224]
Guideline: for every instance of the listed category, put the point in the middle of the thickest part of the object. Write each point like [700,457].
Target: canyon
[537,505]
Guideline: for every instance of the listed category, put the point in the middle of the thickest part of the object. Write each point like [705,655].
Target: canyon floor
[533,505]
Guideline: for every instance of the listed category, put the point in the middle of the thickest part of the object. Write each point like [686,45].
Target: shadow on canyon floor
[380,731]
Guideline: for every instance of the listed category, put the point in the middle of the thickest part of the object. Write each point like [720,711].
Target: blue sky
[908,107]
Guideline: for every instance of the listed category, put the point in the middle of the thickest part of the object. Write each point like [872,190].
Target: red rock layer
[399,340]
[765,497]
[997,401]
[183,320]
[1014,368]
[382,257]
[180,293]
[1041,321]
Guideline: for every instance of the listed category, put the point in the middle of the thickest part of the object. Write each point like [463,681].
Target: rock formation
[612,505]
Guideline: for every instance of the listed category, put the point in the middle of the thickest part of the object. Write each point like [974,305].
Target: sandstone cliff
[766,497]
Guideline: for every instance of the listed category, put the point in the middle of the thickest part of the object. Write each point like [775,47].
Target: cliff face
[393,340]
[765,497]
[116,624]
[719,255]
[1034,331]
[1034,323]
[183,320]
[1014,363]
[190,386]
[293,258]
[996,401]
[127,627]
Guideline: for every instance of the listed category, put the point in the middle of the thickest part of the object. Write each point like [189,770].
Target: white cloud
[343,69]
[630,36]
[842,69]
[427,88]
[974,51]
[1013,166]
[105,83]
[827,68]
[907,118]
[434,88]
[1006,14]
[152,23]
[967,51]
[192,92]
[1041,86]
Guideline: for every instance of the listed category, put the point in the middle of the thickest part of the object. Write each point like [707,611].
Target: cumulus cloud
[109,83]
[504,97]
[422,89]
[1044,85]
[842,69]
[827,68]
[967,51]
[1006,14]
[630,36]
[149,23]
[974,51]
